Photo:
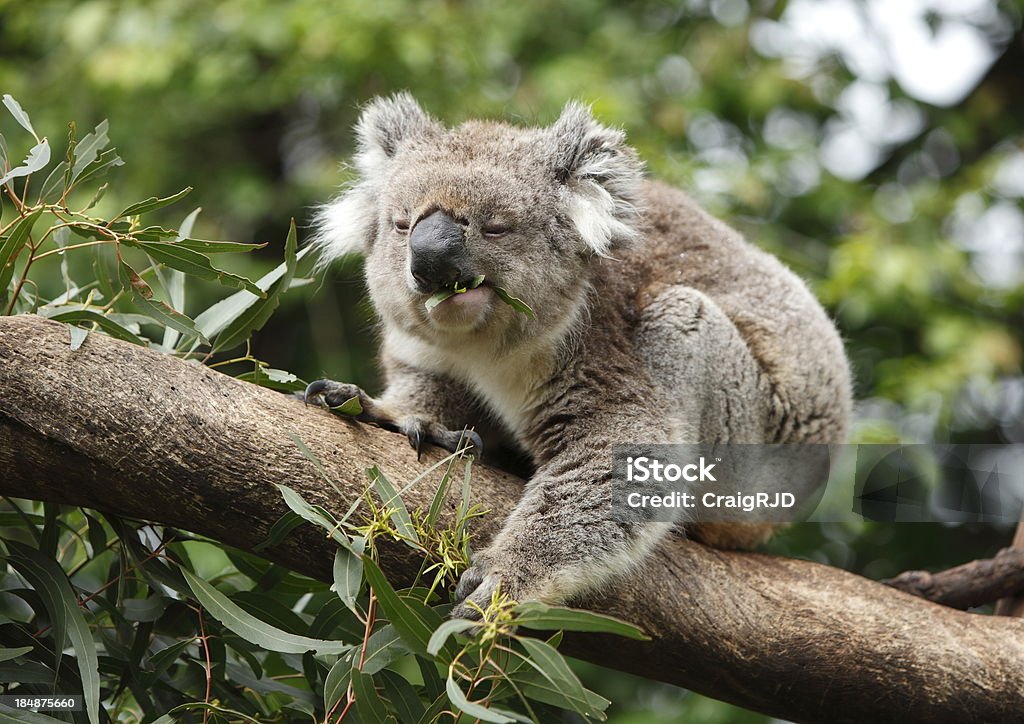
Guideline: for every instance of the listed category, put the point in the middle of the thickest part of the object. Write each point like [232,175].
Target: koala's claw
[475,442]
[474,592]
[333,393]
[313,389]
[421,431]
[415,439]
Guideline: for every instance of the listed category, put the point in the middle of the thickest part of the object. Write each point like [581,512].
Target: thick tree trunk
[128,430]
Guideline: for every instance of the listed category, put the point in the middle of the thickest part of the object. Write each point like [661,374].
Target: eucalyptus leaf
[300,698]
[26,672]
[251,628]
[280,530]
[312,513]
[336,683]
[11,246]
[390,497]
[152,233]
[351,407]
[96,197]
[383,648]
[445,631]
[217,247]
[19,114]
[53,586]
[160,313]
[88,149]
[78,336]
[459,700]
[348,572]
[410,626]
[536,615]
[175,282]
[403,697]
[274,379]
[517,304]
[175,285]
[443,294]
[37,160]
[163,659]
[104,322]
[438,297]
[54,181]
[153,203]
[559,686]
[99,168]
[144,609]
[192,263]
[233,320]
[8,654]
[97,534]
[370,706]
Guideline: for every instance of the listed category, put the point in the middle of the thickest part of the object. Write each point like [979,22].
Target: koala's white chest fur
[511,386]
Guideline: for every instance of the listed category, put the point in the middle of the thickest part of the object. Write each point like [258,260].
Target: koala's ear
[347,224]
[385,124]
[601,175]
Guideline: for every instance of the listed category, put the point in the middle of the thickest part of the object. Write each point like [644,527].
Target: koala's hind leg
[702,368]
[715,389]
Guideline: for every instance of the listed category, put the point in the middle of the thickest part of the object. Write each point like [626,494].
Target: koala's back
[801,368]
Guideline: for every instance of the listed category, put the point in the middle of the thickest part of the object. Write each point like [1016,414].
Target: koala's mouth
[464,309]
[467,304]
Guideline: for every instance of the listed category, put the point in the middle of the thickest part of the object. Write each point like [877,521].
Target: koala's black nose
[437,252]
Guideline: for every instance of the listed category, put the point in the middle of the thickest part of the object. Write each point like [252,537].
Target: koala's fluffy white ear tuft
[384,125]
[601,175]
[345,225]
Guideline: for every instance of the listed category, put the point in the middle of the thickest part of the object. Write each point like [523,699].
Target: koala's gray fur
[655,323]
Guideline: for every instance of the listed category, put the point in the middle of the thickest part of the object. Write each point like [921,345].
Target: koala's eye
[494,230]
[402,226]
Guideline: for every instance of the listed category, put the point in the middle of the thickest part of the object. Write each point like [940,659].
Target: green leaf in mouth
[517,304]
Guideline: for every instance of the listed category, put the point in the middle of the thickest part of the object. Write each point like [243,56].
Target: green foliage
[121,301]
[161,622]
[252,103]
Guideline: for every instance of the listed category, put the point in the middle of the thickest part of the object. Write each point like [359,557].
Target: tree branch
[137,433]
[1013,605]
[971,584]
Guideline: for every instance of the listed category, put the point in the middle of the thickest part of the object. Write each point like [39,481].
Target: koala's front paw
[475,589]
[418,430]
[490,571]
[333,394]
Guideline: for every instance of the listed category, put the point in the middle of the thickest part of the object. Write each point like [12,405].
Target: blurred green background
[877,147]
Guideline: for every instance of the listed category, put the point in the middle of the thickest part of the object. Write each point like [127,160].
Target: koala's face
[475,201]
[525,208]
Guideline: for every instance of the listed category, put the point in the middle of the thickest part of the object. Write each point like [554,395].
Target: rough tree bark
[125,429]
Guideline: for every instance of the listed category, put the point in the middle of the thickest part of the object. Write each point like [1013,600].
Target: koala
[654,322]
